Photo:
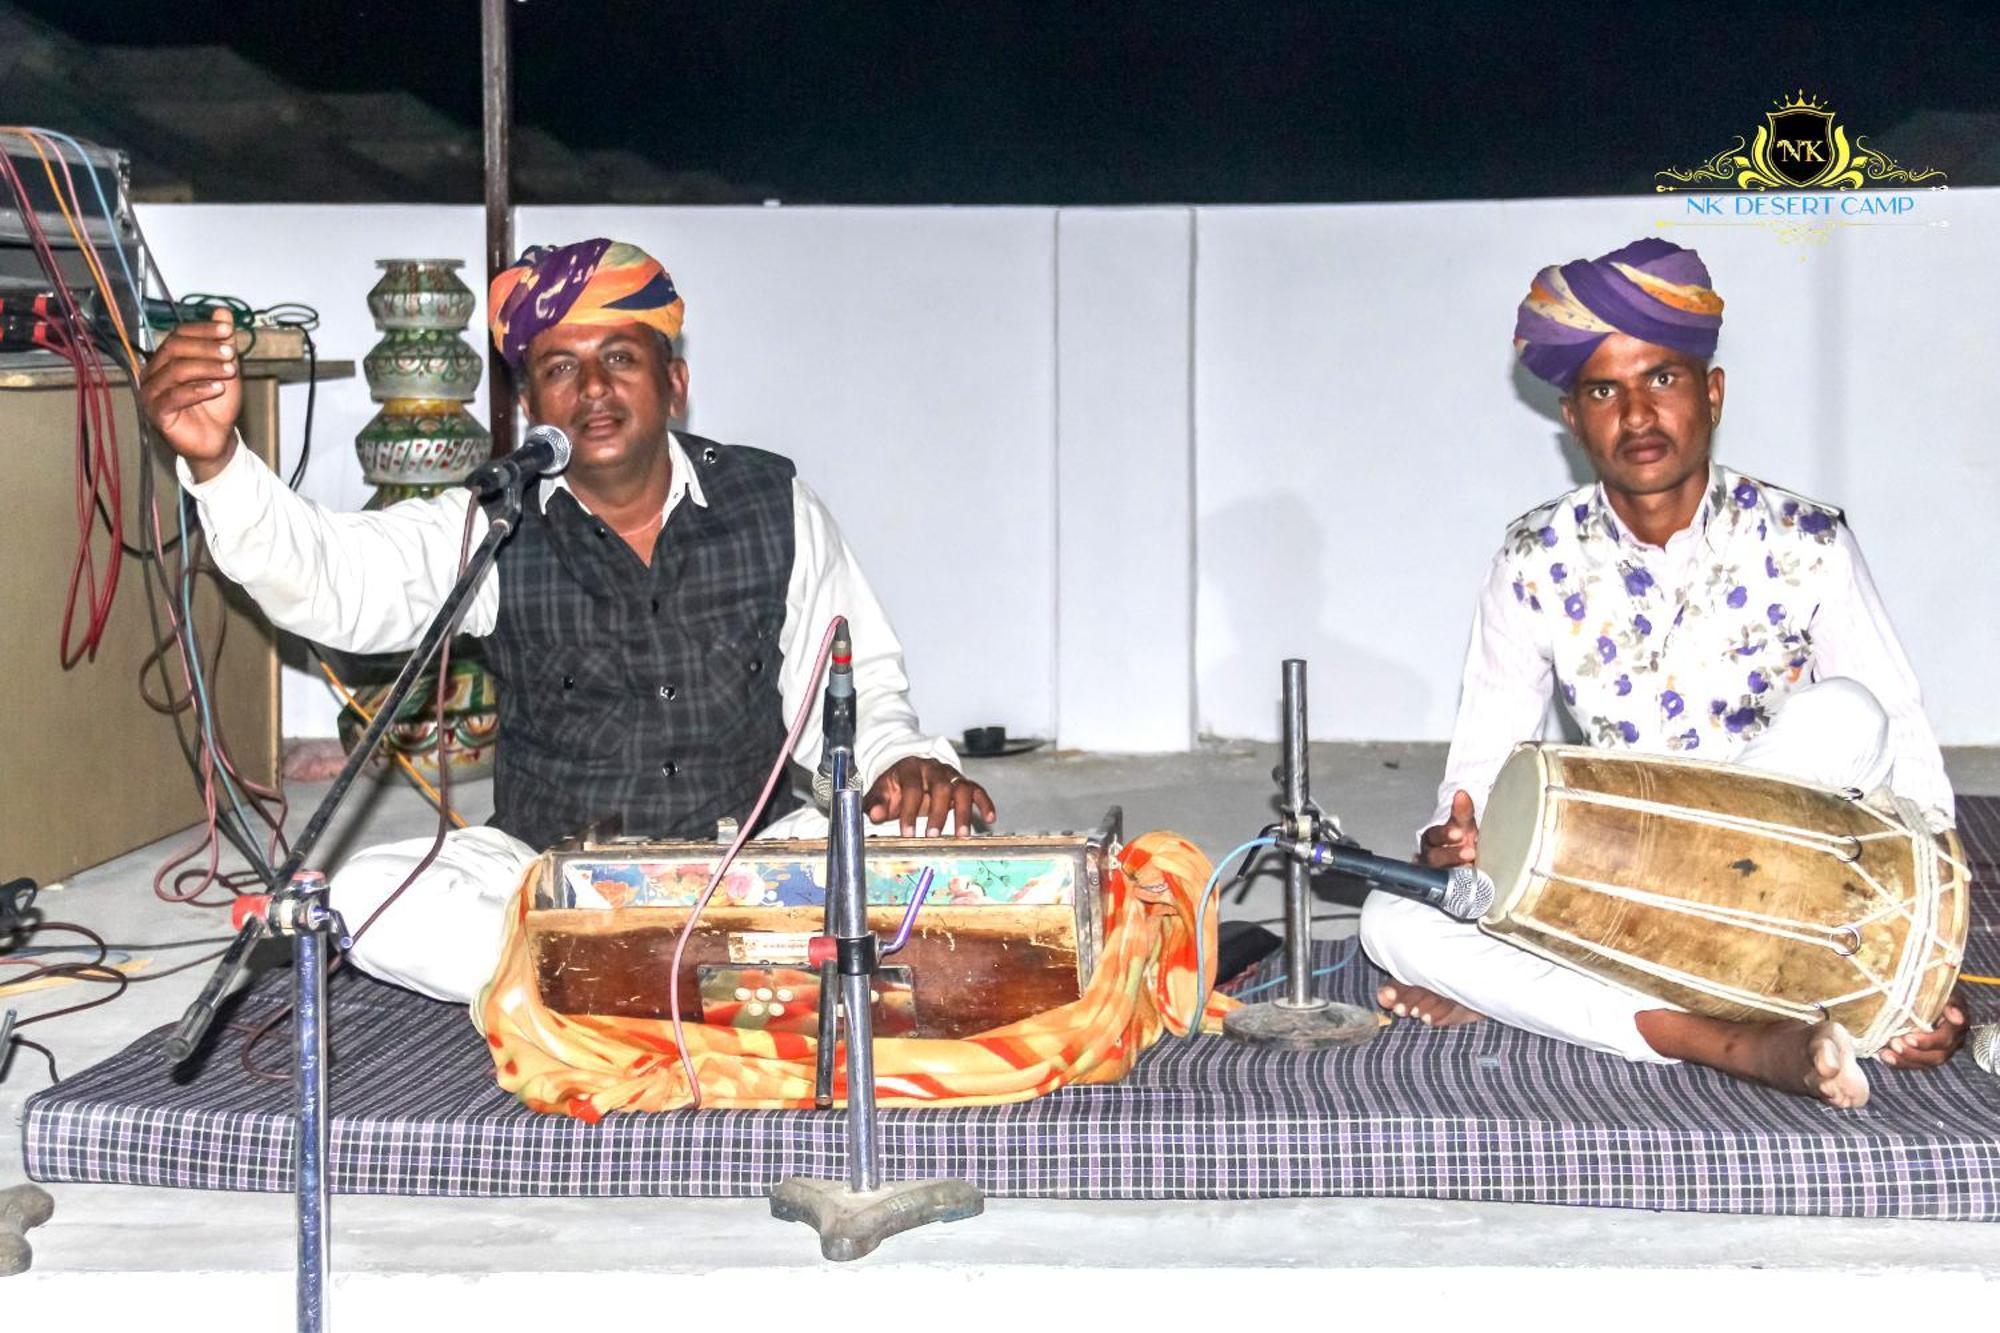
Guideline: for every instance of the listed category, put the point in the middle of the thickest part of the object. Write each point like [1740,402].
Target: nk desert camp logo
[1801,165]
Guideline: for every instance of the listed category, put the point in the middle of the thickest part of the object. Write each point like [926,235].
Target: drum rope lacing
[1921,912]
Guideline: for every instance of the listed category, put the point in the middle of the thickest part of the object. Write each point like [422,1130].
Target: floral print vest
[1695,670]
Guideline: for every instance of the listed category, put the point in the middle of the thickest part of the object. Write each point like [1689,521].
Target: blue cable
[1353,948]
[83,159]
[1201,919]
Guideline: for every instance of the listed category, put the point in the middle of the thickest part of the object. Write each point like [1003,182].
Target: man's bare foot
[1832,1072]
[1427,1006]
[1814,1060]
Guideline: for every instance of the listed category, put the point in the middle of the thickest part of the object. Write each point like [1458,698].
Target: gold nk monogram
[1800,146]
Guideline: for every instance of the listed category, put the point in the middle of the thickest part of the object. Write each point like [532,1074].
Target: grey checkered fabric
[1481,1112]
[645,695]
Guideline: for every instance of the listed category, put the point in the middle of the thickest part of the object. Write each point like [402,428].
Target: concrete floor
[133,1249]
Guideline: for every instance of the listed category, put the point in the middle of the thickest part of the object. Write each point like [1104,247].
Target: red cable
[97,468]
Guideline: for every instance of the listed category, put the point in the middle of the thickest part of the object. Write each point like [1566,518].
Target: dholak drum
[1726,891]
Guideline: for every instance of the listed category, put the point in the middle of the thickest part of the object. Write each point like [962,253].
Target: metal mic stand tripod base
[1299,1021]
[22,1208]
[1307,1027]
[852,1223]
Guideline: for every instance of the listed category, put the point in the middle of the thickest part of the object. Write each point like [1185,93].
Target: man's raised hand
[192,390]
[1454,842]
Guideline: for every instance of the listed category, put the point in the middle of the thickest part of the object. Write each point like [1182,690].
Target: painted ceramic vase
[471,717]
[421,363]
[420,294]
[421,443]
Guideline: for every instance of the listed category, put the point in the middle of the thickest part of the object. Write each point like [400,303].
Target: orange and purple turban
[1653,290]
[591,282]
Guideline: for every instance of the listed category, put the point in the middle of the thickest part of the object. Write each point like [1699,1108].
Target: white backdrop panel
[1358,432]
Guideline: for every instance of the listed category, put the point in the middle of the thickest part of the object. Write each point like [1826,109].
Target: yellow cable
[368,719]
[96,265]
[97,273]
[1979,981]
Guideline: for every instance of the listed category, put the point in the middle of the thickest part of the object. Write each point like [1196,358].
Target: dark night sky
[976,101]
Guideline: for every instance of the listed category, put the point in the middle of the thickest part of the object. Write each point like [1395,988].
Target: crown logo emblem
[1800,146]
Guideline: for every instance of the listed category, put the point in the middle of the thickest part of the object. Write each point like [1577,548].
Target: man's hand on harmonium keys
[916,788]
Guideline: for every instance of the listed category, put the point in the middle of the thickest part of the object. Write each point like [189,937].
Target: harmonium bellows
[1011,927]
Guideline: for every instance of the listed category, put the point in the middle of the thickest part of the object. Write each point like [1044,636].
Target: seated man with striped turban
[1678,607]
[653,620]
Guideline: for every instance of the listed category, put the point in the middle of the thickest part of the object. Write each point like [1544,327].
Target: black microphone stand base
[1303,1027]
[852,1223]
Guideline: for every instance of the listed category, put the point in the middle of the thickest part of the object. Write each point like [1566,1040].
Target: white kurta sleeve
[1852,637]
[366,582]
[1503,694]
[827,582]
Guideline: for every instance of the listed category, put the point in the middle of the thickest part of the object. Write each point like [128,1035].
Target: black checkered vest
[645,696]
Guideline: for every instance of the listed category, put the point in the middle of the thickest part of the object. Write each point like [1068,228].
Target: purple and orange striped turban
[591,282]
[1652,290]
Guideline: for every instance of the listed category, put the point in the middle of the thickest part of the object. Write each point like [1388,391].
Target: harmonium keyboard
[1012,926]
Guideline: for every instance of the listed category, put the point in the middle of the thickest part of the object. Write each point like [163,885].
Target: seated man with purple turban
[653,620]
[1678,607]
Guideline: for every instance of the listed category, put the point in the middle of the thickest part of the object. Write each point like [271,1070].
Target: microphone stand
[297,910]
[1298,1020]
[852,1219]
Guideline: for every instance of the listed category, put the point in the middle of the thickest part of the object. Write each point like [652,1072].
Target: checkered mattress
[1476,1113]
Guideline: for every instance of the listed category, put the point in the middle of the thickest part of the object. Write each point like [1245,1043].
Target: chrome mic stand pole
[299,912]
[847,910]
[1298,1020]
[854,1218]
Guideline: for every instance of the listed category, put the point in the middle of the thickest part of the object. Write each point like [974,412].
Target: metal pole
[499,122]
[309,925]
[864,1166]
[1296,1019]
[1298,886]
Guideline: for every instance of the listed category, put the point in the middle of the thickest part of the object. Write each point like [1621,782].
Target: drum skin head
[1510,828]
[1725,891]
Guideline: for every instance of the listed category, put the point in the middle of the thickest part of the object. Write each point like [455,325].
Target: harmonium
[1012,925]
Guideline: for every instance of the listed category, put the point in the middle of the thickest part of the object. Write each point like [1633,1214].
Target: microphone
[837,723]
[1464,892]
[1985,1045]
[545,449]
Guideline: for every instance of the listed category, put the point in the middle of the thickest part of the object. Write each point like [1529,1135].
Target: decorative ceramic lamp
[422,442]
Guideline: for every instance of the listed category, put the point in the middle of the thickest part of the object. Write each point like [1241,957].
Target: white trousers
[442,937]
[1832,734]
